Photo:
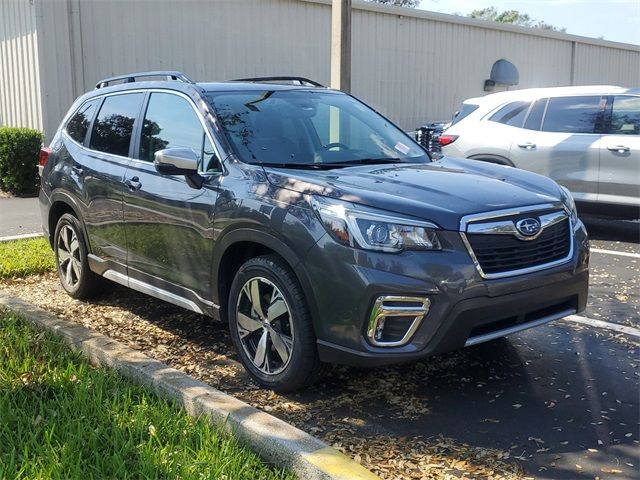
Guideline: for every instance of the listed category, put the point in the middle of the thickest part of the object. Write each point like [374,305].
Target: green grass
[60,418]
[21,258]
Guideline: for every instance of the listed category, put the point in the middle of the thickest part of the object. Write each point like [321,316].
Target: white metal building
[412,65]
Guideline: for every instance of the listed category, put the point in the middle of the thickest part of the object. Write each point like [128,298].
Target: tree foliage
[512,17]
[398,3]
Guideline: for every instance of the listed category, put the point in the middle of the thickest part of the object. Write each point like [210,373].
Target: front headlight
[358,226]
[568,201]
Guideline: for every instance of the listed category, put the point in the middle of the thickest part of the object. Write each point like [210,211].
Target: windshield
[302,128]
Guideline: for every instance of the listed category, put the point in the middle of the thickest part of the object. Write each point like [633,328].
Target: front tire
[71,259]
[271,325]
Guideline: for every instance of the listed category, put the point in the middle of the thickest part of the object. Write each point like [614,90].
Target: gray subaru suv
[315,227]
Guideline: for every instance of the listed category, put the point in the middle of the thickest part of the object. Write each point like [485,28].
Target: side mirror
[176,161]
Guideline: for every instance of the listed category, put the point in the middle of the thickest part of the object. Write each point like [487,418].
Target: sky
[616,20]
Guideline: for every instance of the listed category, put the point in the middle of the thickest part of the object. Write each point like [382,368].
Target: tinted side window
[511,114]
[171,122]
[625,116]
[79,123]
[572,114]
[113,126]
[466,110]
[534,120]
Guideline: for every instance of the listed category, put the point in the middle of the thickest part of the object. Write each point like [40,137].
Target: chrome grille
[499,250]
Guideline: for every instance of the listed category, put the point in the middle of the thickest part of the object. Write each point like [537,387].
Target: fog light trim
[395,306]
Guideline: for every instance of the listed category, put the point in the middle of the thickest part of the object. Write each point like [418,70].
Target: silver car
[585,138]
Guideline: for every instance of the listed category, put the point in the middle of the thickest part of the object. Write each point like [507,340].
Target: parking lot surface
[19,216]
[558,401]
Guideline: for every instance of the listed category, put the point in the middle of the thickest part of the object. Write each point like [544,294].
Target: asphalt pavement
[19,216]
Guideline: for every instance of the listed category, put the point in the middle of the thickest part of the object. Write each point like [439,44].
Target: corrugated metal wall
[414,66]
[19,74]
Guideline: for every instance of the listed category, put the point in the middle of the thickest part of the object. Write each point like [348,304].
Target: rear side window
[534,120]
[113,126]
[625,115]
[511,114]
[171,122]
[466,110]
[78,124]
[572,114]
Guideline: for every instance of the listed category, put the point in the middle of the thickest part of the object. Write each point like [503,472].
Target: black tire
[87,284]
[303,366]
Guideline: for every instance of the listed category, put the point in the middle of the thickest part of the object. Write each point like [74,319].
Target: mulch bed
[337,410]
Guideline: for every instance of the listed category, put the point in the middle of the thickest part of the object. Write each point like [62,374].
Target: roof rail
[298,80]
[131,77]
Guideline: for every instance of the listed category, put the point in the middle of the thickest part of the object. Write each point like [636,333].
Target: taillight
[44,156]
[446,139]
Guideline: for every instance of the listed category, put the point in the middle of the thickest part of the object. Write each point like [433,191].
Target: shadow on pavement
[600,228]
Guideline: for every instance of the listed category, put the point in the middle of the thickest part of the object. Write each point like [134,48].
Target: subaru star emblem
[528,226]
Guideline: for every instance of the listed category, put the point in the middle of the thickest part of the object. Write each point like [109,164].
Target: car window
[171,122]
[113,126]
[329,128]
[305,127]
[511,114]
[625,115]
[534,119]
[466,110]
[78,124]
[572,114]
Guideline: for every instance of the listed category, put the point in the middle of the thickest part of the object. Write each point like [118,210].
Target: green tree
[512,17]
[398,3]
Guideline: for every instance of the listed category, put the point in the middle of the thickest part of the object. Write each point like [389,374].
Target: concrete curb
[22,236]
[274,440]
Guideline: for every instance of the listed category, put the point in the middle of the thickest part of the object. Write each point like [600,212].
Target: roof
[233,86]
[533,93]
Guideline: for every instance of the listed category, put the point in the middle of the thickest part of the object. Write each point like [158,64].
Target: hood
[441,192]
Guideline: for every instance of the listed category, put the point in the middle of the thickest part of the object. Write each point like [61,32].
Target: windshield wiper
[330,165]
[299,166]
[366,161]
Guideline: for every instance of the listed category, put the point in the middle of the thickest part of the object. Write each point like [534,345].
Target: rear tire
[71,251]
[271,325]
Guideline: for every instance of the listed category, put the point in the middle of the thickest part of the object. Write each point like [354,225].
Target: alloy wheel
[68,252]
[264,325]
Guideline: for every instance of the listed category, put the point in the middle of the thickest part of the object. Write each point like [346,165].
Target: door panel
[570,159]
[169,223]
[169,229]
[563,144]
[619,177]
[103,169]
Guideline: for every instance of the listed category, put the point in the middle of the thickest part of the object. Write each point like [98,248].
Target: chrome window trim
[200,118]
[466,220]
[214,145]
[68,118]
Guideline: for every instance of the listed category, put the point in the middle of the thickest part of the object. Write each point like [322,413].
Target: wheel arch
[240,245]
[62,203]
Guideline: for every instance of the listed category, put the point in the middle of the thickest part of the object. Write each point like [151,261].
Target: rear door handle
[133,184]
[618,148]
[527,145]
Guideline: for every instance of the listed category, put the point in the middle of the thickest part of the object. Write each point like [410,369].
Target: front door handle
[618,148]
[133,184]
[527,145]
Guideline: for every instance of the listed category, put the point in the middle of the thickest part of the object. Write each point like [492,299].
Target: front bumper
[464,308]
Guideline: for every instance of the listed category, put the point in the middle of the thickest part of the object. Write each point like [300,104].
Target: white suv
[585,138]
